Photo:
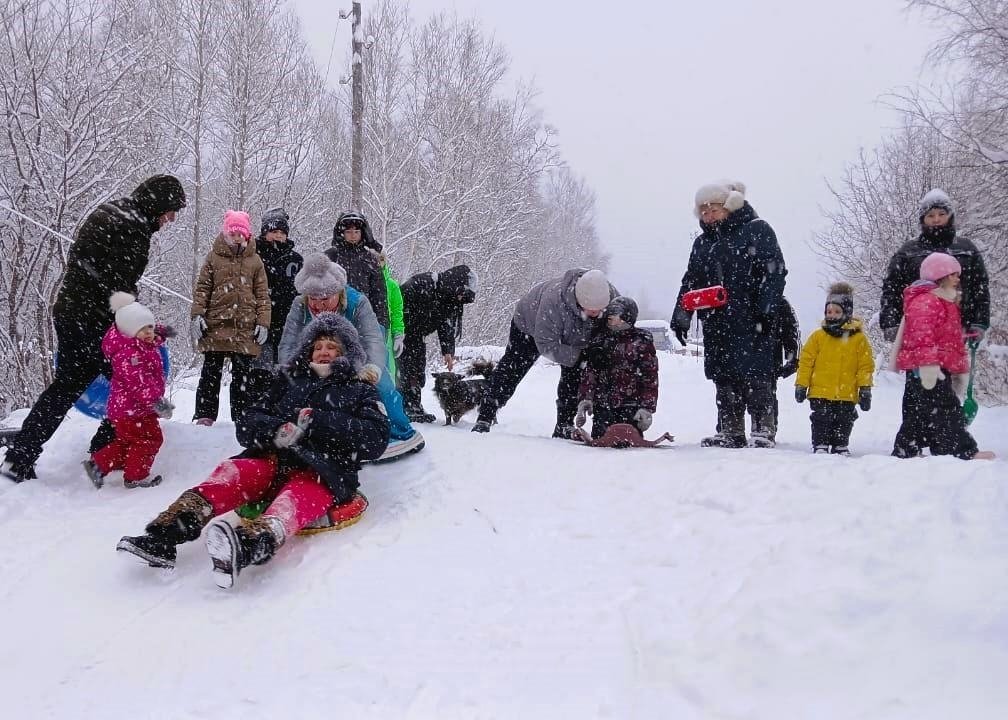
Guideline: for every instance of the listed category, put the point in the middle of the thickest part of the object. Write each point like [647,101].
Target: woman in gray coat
[556,319]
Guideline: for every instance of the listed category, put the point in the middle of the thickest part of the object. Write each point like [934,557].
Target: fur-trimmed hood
[330,323]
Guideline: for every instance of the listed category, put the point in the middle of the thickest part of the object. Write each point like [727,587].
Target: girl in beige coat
[230,316]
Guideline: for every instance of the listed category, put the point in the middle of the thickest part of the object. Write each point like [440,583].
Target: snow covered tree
[78,132]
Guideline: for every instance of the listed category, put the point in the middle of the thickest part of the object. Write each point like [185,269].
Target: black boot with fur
[182,521]
[232,549]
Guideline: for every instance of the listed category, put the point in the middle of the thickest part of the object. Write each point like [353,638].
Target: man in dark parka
[739,251]
[109,254]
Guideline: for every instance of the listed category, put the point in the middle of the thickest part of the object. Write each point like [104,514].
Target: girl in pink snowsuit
[930,346]
[136,396]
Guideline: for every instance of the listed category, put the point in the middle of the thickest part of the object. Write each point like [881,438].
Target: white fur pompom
[120,300]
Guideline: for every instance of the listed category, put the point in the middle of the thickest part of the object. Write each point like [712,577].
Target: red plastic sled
[622,435]
[338,516]
[706,298]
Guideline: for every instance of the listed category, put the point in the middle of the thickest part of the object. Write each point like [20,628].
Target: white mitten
[199,327]
[287,434]
[930,375]
[397,345]
[642,418]
[260,334]
[304,418]
[584,409]
[370,374]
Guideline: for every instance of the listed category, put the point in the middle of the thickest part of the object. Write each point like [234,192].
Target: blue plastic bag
[94,401]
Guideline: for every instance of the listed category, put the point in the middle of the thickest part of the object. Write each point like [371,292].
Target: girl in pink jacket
[136,396]
[930,347]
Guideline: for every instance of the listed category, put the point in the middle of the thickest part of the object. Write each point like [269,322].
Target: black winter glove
[788,369]
[680,324]
[890,334]
[864,398]
[764,324]
[800,393]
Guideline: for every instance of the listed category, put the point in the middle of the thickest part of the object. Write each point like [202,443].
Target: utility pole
[357,113]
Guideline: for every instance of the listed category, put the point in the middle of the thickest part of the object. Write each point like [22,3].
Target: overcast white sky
[654,99]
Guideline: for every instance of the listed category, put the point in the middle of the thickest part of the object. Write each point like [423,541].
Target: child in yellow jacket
[835,371]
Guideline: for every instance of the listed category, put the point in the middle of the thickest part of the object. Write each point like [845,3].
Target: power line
[61,236]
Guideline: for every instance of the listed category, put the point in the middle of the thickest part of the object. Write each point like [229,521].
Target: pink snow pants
[301,499]
[137,441]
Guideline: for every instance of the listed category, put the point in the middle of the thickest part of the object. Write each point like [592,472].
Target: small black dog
[457,395]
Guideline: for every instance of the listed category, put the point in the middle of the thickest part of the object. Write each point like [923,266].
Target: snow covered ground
[515,576]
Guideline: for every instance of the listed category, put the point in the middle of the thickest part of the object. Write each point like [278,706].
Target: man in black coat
[356,251]
[109,254]
[282,263]
[432,302]
[738,251]
[938,234]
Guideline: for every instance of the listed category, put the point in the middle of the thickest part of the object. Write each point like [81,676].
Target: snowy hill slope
[512,575]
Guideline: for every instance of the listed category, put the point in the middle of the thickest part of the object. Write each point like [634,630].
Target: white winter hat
[729,193]
[130,316]
[592,290]
[320,277]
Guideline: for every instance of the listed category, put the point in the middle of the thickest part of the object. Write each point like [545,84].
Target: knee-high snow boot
[232,549]
[182,521]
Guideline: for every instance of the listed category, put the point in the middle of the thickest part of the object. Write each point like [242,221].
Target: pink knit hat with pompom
[236,221]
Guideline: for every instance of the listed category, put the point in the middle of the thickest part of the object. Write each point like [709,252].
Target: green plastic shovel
[970,406]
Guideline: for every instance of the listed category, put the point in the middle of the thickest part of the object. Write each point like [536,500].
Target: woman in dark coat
[739,251]
[305,441]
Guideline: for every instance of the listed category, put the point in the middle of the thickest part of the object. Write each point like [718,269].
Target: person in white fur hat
[136,396]
[556,319]
[738,251]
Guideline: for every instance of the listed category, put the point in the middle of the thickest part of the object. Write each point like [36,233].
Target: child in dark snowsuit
[305,441]
[136,396]
[620,384]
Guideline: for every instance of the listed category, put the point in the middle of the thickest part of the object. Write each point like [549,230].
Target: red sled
[621,435]
[706,298]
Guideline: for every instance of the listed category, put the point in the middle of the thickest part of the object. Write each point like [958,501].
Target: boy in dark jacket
[620,384]
[282,263]
[305,441]
[432,302]
[356,251]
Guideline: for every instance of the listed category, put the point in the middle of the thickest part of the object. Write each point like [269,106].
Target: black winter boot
[182,521]
[232,549]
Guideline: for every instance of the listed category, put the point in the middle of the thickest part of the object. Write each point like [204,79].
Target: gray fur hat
[728,193]
[337,326]
[936,198]
[320,277]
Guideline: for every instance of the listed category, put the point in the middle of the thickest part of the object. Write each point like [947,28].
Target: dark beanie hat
[159,194]
[275,219]
[624,308]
